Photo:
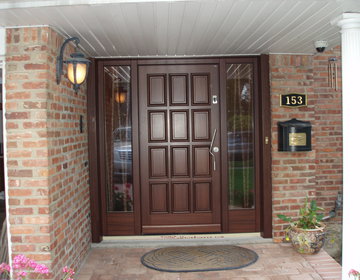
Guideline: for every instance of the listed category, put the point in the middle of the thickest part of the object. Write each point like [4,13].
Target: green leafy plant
[310,217]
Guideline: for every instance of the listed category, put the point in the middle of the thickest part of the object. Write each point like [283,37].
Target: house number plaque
[293,100]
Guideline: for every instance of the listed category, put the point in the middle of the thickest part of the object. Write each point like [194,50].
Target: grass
[241,184]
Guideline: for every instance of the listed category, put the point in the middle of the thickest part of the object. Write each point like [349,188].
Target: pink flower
[21,274]
[20,261]
[4,267]
[69,271]
[41,268]
[353,272]
[32,264]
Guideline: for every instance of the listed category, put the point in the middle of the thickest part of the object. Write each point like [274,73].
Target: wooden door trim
[266,198]
[224,163]
[92,121]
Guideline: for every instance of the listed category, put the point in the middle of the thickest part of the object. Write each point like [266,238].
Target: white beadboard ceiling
[129,28]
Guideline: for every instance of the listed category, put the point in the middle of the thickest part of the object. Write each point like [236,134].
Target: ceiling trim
[4,5]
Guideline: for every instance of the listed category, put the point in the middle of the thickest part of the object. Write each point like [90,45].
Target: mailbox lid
[295,123]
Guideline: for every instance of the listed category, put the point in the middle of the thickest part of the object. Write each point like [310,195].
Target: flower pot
[307,241]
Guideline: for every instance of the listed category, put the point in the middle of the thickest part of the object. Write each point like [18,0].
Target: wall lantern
[120,97]
[77,65]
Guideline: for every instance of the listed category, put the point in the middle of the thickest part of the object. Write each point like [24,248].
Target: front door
[179,148]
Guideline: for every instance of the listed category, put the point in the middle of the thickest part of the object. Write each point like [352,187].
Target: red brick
[35,162]
[21,229]
[34,85]
[19,154]
[23,248]
[36,201]
[23,57]
[17,115]
[37,239]
[34,124]
[20,173]
[36,220]
[35,66]
[20,192]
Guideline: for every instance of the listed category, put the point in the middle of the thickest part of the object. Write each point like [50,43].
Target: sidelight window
[118,138]
[240,135]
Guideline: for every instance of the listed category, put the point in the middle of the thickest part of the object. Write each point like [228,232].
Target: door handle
[211,149]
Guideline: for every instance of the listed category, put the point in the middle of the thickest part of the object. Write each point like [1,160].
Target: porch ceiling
[121,28]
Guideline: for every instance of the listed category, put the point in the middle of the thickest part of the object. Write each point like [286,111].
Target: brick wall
[318,173]
[47,155]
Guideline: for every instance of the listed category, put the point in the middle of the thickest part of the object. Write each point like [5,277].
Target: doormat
[199,258]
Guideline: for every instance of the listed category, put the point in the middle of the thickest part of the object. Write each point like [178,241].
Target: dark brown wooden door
[179,118]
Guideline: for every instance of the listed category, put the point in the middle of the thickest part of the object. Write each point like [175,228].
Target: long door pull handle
[211,148]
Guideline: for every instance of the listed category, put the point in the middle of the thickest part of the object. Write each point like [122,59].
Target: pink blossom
[68,270]
[41,268]
[32,264]
[4,267]
[20,261]
[353,272]
[21,274]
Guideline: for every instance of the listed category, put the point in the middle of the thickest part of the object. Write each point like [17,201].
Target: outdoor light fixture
[77,65]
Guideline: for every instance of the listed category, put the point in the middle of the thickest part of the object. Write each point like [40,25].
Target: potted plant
[307,233]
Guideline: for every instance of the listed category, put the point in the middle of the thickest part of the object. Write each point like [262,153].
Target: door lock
[214,99]
[216,149]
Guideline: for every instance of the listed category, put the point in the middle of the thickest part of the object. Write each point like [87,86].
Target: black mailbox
[294,136]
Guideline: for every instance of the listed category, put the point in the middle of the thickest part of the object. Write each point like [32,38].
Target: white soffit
[2,43]
[193,28]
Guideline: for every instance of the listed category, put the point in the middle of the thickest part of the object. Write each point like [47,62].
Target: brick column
[350,49]
[46,153]
[293,173]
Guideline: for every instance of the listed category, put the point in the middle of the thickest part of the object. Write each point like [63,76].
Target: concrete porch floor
[112,261]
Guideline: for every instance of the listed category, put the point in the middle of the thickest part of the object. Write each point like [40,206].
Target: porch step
[181,240]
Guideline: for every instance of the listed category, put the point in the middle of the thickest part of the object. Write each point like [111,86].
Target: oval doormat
[199,258]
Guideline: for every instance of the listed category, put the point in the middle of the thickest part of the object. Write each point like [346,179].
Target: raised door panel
[157,126]
[156,90]
[201,161]
[200,89]
[181,198]
[158,162]
[201,125]
[179,126]
[159,198]
[202,194]
[178,90]
[180,162]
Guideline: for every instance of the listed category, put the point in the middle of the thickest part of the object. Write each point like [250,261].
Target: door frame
[99,219]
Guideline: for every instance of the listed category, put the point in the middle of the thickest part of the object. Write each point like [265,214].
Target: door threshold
[181,240]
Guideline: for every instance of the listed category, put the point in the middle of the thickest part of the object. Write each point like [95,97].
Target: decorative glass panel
[118,138]
[240,135]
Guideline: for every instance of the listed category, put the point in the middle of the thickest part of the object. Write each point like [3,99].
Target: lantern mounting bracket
[60,58]
[76,57]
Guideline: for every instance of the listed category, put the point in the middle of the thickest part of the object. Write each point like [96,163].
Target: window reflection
[119,179]
[239,94]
